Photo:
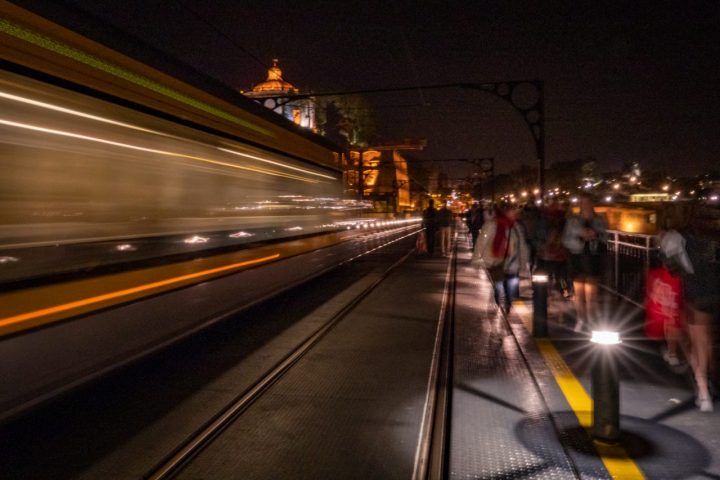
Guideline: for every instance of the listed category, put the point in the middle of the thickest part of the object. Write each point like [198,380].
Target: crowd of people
[570,247]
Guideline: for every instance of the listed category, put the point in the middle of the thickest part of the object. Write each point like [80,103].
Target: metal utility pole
[361,173]
[532,111]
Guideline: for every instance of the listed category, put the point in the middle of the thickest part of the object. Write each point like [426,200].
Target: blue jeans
[510,288]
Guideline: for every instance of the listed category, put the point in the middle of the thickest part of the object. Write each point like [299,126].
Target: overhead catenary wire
[225,36]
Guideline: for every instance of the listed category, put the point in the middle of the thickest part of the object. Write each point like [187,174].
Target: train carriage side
[136,209]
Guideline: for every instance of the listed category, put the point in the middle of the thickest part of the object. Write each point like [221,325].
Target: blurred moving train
[136,208]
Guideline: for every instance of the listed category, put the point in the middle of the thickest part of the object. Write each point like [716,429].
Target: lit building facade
[385,179]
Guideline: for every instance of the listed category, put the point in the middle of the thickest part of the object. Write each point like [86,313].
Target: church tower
[270,94]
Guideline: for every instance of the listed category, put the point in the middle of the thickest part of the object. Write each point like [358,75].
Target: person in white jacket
[501,249]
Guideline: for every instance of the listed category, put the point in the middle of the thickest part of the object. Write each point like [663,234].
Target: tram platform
[522,406]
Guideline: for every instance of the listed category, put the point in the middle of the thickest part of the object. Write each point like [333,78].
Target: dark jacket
[444,218]
[429,218]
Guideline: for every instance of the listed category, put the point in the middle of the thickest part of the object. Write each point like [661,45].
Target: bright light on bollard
[540,304]
[605,387]
[540,278]
[605,337]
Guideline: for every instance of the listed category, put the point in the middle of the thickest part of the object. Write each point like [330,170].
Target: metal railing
[630,256]
[629,259]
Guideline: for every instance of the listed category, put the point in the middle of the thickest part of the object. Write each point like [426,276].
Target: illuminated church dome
[274,82]
[269,93]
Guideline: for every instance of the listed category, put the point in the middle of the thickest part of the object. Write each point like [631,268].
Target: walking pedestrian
[529,219]
[445,223]
[585,237]
[501,248]
[702,294]
[429,222]
[675,261]
[552,255]
[475,222]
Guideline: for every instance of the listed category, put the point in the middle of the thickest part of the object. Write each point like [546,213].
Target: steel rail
[431,453]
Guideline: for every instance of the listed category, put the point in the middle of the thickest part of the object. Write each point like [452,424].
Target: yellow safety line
[7,322]
[614,457]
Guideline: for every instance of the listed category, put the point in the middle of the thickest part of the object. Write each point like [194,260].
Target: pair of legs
[585,269]
[445,239]
[474,235]
[430,238]
[586,288]
[506,290]
[558,273]
[675,342]
[699,324]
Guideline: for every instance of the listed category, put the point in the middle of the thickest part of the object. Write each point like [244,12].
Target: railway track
[175,461]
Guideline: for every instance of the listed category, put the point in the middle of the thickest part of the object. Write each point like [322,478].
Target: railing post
[617,261]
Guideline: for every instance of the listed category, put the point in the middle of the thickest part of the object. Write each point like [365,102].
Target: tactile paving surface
[500,426]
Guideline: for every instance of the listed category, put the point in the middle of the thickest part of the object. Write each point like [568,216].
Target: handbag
[497,272]
[421,242]
[663,302]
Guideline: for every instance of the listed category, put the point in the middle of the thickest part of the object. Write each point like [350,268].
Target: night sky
[636,81]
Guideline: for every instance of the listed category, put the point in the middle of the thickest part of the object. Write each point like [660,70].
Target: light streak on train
[70,111]
[254,157]
[148,150]
[77,113]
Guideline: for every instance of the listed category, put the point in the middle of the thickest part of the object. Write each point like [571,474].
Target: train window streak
[151,150]
[77,113]
[275,163]
[58,108]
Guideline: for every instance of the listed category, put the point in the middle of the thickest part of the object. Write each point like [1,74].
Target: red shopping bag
[663,302]
[421,242]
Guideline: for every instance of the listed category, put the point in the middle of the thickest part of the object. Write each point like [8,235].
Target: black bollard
[540,304]
[605,388]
